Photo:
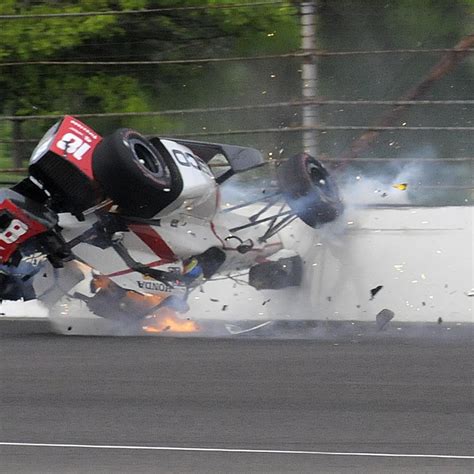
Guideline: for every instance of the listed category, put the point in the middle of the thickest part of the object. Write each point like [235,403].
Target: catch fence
[277,126]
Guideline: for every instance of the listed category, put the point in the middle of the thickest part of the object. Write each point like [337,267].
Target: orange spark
[166,321]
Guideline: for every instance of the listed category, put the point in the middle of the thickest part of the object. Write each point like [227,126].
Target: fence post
[18,151]
[309,75]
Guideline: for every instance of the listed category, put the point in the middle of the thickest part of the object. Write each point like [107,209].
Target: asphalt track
[365,397]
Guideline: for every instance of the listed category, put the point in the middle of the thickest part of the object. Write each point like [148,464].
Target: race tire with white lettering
[309,190]
[138,177]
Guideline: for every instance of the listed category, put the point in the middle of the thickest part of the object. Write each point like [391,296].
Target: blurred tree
[373,25]
[172,34]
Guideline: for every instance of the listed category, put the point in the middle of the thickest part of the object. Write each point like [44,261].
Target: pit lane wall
[421,257]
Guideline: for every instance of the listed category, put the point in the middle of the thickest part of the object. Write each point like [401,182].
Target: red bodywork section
[154,241]
[75,142]
[20,229]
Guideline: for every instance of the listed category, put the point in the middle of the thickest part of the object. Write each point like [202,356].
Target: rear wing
[240,158]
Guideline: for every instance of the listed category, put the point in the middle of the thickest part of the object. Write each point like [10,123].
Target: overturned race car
[132,225]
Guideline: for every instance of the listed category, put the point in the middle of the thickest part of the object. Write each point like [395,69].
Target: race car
[131,225]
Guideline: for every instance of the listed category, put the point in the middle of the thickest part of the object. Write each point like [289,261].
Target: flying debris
[374,291]
[235,330]
[383,318]
[400,186]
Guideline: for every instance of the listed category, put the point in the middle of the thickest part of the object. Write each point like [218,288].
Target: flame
[163,320]
[167,321]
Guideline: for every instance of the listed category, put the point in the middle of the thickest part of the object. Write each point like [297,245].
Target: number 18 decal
[14,231]
[74,145]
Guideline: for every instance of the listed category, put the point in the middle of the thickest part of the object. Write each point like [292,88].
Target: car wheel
[309,190]
[138,177]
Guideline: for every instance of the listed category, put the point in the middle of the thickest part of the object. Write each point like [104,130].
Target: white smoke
[421,177]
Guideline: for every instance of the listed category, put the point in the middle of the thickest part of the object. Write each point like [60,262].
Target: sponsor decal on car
[76,142]
[154,286]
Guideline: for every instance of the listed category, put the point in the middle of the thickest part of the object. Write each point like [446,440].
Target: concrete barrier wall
[422,258]
[29,309]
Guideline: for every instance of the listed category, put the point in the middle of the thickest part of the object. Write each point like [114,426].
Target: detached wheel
[135,174]
[283,273]
[309,190]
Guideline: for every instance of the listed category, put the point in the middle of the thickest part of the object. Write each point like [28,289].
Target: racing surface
[389,395]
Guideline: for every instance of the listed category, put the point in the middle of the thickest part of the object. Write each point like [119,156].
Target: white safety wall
[421,256]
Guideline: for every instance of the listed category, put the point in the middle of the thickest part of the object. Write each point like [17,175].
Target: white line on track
[233,450]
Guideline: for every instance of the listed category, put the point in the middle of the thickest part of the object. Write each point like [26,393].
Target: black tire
[309,190]
[138,177]
[283,273]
